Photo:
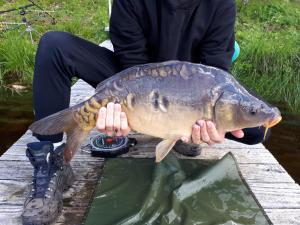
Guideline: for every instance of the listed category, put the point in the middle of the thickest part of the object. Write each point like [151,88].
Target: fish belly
[174,124]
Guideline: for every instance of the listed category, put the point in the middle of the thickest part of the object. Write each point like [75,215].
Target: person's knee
[55,39]
[52,49]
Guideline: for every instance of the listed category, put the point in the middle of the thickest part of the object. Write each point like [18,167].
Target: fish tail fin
[76,122]
[54,124]
[75,136]
[84,114]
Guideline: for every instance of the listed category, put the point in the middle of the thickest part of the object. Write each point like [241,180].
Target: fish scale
[164,100]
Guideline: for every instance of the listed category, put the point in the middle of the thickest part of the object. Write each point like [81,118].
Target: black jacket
[199,31]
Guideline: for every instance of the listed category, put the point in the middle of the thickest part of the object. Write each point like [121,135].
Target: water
[16,115]
[284,143]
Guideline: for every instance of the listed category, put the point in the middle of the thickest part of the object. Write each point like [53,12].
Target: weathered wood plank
[78,195]
[11,215]
[284,216]
[265,173]
[244,156]
[11,191]
[82,170]
[248,156]
[71,216]
[85,156]
[17,153]
[277,196]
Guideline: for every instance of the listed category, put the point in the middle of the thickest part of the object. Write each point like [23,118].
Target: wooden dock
[271,185]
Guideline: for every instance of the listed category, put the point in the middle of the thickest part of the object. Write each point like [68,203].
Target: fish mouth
[272,122]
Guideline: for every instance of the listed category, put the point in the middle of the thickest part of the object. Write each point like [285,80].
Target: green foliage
[269,63]
[272,12]
[16,60]
[86,19]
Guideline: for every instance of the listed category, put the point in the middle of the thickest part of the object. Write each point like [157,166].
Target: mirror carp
[164,100]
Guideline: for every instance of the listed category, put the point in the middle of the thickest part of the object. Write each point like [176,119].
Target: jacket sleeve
[217,47]
[127,35]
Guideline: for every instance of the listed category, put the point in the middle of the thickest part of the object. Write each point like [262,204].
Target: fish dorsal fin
[163,148]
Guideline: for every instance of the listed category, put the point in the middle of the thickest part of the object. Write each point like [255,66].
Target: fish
[164,100]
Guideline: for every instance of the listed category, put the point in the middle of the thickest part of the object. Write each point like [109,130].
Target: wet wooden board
[16,173]
[271,185]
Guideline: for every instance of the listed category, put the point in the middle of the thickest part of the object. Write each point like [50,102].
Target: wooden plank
[17,153]
[11,191]
[276,196]
[284,216]
[84,156]
[268,173]
[82,170]
[78,195]
[245,156]
[11,215]
[71,216]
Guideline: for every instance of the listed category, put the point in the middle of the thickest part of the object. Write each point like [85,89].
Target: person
[141,31]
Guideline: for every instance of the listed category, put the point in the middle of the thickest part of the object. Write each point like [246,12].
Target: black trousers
[62,56]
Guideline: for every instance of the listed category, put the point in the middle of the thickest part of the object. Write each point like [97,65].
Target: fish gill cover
[138,191]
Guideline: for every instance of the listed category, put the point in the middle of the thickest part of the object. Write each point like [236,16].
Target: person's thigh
[79,57]
[91,62]
[61,56]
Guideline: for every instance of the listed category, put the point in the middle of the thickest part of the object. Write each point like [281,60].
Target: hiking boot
[57,158]
[44,203]
[187,149]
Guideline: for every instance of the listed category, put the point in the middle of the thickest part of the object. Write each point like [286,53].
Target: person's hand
[112,121]
[205,131]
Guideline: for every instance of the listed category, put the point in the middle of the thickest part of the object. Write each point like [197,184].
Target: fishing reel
[110,147]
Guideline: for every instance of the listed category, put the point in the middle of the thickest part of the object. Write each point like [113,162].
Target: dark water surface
[284,143]
[16,115]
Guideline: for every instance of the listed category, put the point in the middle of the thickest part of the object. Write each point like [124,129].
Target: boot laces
[43,175]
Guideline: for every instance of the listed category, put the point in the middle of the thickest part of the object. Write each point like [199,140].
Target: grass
[86,19]
[267,31]
[269,63]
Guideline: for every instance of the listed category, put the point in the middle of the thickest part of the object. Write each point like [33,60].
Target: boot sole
[54,217]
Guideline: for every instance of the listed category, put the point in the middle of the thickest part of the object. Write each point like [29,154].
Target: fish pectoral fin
[163,148]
